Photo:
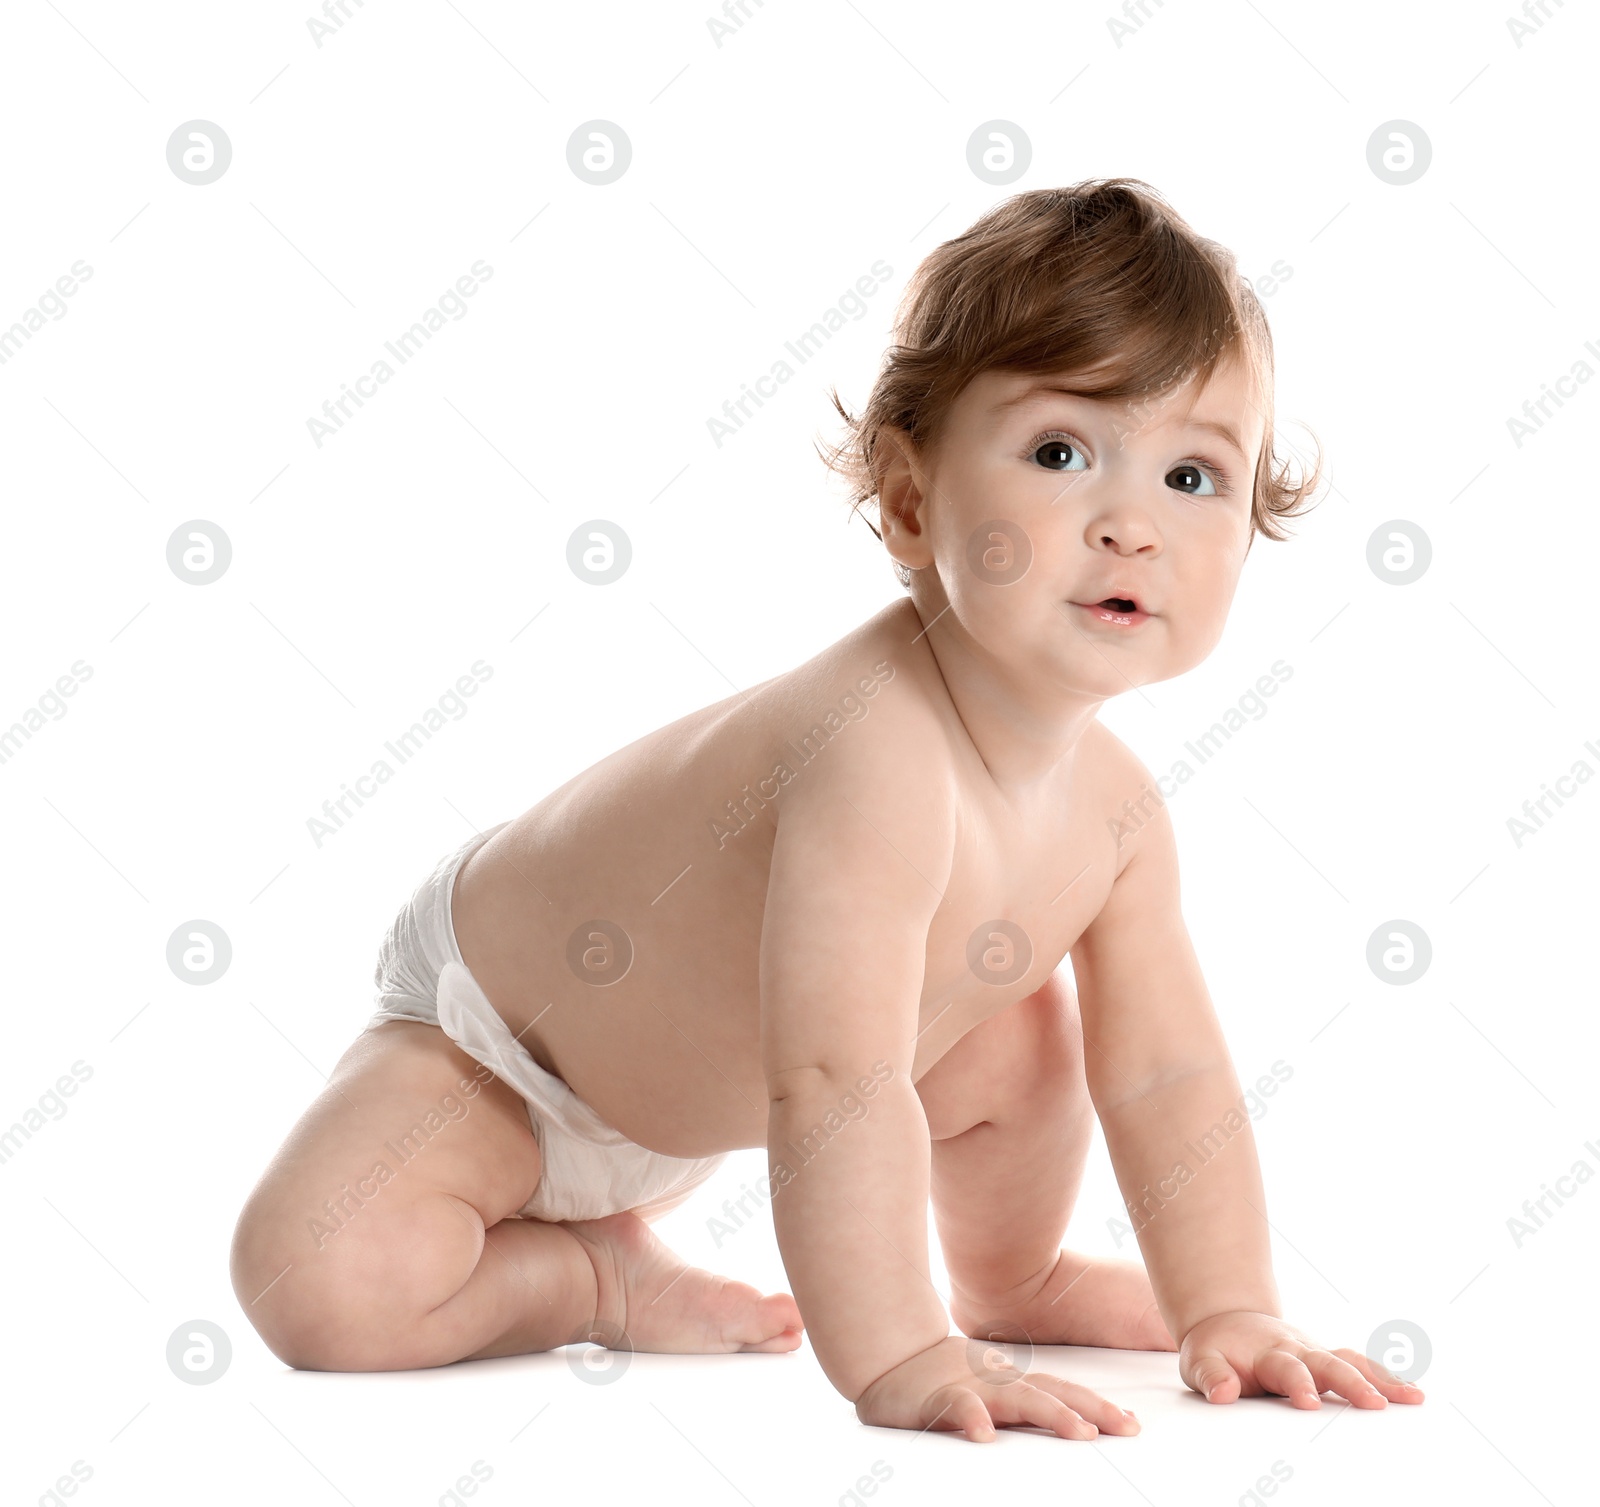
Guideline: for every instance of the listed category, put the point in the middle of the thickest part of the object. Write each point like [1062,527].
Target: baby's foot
[1084,1301]
[662,1304]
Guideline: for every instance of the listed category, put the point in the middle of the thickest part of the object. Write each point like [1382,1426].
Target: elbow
[829,1083]
[1110,1092]
[796,1082]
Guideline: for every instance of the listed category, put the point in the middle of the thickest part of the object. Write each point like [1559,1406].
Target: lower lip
[1111,617]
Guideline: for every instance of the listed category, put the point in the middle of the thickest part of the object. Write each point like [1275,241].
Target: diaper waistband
[472,1022]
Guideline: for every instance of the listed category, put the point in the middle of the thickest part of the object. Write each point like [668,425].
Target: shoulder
[874,774]
[876,700]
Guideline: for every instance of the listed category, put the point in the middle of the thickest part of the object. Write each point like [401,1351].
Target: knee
[1042,1063]
[1049,1040]
[350,1296]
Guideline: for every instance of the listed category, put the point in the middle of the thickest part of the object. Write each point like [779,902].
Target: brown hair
[1104,273]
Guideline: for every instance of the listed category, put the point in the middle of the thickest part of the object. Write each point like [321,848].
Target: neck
[1021,727]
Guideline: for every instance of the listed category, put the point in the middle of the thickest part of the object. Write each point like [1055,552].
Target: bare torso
[670,1053]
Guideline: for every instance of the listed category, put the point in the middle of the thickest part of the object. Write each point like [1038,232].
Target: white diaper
[590,1169]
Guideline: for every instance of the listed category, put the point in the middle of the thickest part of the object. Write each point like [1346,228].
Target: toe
[782,1307]
[788,1340]
[766,1324]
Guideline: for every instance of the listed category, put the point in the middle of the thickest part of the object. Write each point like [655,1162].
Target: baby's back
[616,925]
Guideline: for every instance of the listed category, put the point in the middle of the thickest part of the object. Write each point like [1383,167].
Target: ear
[902,498]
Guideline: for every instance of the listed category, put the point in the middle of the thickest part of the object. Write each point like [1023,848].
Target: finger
[1385,1381]
[1332,1374]
[1278,1371]
[1105,1416]
[1213,1378]
[966,1413]
[1021,1403]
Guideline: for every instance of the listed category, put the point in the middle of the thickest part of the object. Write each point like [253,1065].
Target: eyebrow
[1225,432]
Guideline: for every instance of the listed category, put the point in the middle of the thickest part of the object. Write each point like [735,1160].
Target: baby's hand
[1231,1355]
[968,1386]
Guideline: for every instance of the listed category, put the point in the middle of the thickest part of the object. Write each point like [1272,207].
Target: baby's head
[1013,506]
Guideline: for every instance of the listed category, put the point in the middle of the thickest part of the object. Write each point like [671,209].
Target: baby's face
[1038,505]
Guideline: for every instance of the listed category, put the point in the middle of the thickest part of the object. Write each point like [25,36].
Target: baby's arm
[862,854]
[856,876]
[1161,1080]
[1160,1077]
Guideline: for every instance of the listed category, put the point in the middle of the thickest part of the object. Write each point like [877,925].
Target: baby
[829,916]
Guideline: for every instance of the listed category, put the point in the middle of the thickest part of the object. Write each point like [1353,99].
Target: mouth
[1116,612]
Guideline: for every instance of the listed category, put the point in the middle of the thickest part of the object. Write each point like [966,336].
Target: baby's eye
[1192,480]
[1057,454]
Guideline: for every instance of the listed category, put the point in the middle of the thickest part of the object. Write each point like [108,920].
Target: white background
[768,174]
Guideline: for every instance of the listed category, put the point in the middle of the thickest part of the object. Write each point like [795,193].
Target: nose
[1124,528]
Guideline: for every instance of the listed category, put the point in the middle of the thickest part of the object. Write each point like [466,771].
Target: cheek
[1221,580]
[1208,562]
[987,538]
[993,567]
[1219,540]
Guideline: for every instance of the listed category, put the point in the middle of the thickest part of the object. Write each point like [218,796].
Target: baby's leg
[1011,1121]
[343,1269]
